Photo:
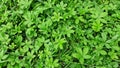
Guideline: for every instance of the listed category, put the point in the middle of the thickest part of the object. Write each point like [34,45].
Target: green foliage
[59,33]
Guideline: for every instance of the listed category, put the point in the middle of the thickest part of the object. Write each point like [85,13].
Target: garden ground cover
[59,33]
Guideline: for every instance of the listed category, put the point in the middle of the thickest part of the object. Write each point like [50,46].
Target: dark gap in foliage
[108,36]
[16,21]
[11,41]
[105,25]
[110,12]
[12,37]
[44,16]
[56,26]
[25,54]
[42,47]
[35,59]
[95,34]
[119,64]
[50,13]
[31,6]
[57,2]
[75,38]
[118,43]
[29,49]
[9,51]
[24,35]
[40,15]
[4,67]
[86,64]
[9,4]
[20,57]
[87,16]
[62,63]
[75,60]
[106,49]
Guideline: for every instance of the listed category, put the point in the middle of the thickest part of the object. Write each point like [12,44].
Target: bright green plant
[59,33]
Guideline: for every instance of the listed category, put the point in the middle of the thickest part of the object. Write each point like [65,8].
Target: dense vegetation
[59,33]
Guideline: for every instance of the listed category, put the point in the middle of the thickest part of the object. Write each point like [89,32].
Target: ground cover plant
[59,33]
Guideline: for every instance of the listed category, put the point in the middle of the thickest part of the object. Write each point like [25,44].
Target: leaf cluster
[59,34]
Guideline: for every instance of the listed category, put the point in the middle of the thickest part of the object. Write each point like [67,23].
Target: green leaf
[18,39]
[97,26]
[1,54]
[59,43]
[79,50]
[56,16]
[103,52]
[75,65]
[115,47]
[87,57]
[75,55]
[113,55]
[85,50]
[81,60]
[104,36]
[4,57]
[30,33]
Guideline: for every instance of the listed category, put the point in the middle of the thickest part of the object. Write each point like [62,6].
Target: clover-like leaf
[56,16]
[97,26]
[30,33]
